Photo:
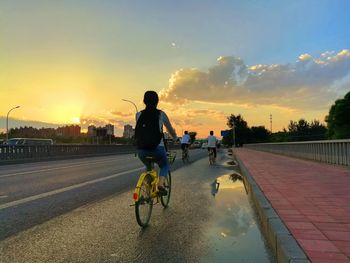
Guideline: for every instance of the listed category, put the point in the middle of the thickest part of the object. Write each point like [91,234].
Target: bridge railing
[9,153]
[330,151]
[21,152]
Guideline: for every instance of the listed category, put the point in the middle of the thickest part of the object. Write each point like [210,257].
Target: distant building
[91,131]
[110,129]
[128,131]
[101,132]
[94,131]
[69,131]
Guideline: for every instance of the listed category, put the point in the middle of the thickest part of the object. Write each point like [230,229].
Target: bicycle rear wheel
[165,199]
[211,157]
[144,205]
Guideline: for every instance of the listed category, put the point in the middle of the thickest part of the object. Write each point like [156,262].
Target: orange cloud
[306,84]
[122,114]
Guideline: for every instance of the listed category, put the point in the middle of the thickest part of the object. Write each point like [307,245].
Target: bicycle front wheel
[183,156]
[165,199]
[144,204]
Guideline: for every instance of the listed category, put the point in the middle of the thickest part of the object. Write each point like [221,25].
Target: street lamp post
[234,134]
[132,104]
[135,109]
[7,122]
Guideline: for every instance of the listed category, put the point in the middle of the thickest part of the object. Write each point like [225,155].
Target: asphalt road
[79,211]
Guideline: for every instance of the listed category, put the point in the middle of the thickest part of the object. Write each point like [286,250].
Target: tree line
[338,127]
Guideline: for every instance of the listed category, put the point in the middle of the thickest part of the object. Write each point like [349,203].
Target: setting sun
[76,120]
[66,113]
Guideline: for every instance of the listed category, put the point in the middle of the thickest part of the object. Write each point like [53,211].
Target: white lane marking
[61,167]
[3,196]
[65,189]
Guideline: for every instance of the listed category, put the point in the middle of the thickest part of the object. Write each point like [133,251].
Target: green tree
[305,131]
[259,134]
[338,119]
[318,131]
[242,131]
[281,136]
[299,131]
[193,135]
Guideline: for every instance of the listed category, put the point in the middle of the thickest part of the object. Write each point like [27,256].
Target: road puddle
[233,163]
[234,232]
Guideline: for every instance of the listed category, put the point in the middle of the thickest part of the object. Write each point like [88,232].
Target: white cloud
[305,57]
[305,84]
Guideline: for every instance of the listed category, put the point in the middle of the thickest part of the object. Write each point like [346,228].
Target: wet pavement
[234,233]
[209,220]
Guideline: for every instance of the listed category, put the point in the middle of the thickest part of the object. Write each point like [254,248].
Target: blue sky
[258,31]
[93,53]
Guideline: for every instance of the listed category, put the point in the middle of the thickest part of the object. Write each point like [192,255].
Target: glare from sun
[76,120]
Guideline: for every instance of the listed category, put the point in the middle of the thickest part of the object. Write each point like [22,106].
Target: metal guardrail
[37,152]
[331,151]
[44,152]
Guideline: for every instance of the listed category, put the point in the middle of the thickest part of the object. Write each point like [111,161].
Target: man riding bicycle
[185,142]
[212,143]
[149,137]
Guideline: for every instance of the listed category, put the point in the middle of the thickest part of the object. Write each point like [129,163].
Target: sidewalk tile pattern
[312,199]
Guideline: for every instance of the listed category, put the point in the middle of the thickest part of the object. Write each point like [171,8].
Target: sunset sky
[70,62]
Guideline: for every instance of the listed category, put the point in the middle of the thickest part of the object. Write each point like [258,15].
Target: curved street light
[132,104]
[7,122]
[135,109]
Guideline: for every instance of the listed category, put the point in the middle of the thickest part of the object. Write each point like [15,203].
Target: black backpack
[147,131]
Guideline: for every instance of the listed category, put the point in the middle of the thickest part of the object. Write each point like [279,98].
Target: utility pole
[271,123]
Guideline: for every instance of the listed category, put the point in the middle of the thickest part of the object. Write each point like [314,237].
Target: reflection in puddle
[234,234]
[215,187]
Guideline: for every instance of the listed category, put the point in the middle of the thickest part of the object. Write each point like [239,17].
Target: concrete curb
[285,248]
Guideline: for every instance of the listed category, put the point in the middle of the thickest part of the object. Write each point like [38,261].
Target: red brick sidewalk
[311,198]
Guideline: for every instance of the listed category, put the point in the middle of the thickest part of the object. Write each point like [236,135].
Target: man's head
[211,133]
[150,99]
[186,132]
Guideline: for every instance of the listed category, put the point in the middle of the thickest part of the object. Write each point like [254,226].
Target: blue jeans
[161,159]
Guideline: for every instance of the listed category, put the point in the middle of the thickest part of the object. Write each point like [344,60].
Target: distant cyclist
[149,136]
[212,143]
[185,141]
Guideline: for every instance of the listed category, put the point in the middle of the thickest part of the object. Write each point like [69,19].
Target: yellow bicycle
[146,192]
